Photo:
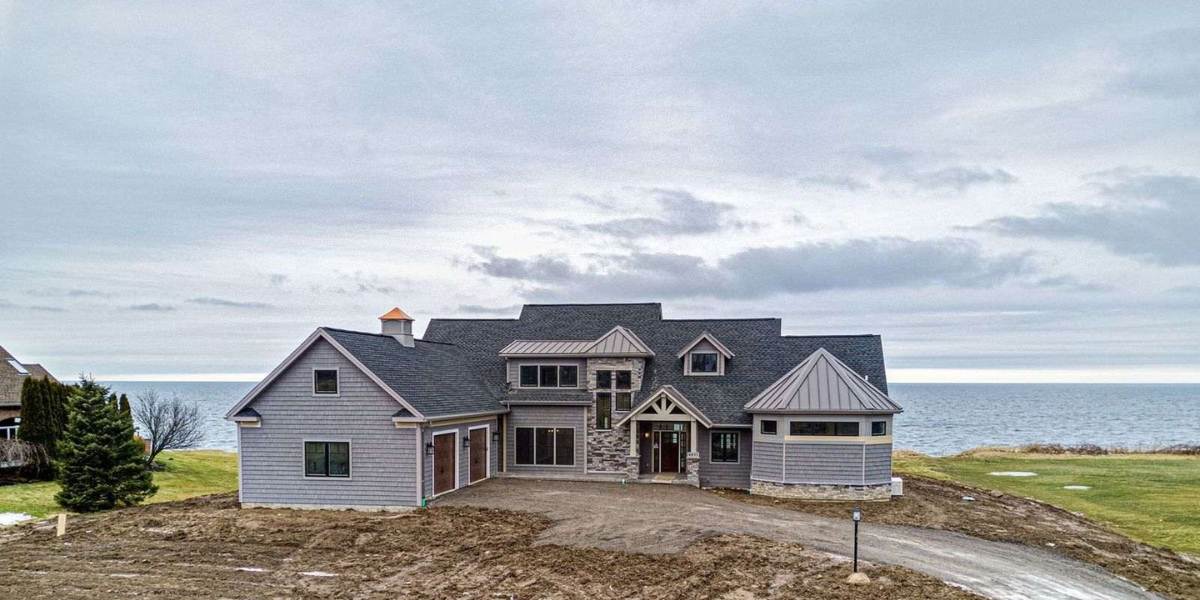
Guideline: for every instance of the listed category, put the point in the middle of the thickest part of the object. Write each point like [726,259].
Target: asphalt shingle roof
[762,353]
[435,378]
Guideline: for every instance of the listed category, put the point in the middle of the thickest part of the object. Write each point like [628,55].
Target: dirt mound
[209,548]
[1001,517]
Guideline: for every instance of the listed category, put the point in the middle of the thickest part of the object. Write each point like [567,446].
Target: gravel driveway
[667,518]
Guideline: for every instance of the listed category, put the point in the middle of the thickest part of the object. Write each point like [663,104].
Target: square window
[529,375]
[704,362]
[768,427]
[568,376]
[603,380]
[548,376]
[624,380]
[624,401]
[327,459]
[325,381]
[878,428]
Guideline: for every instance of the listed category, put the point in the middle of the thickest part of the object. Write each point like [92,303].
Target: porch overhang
[654,409]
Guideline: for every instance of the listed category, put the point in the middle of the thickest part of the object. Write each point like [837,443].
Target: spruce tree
[125,408]
[100,463]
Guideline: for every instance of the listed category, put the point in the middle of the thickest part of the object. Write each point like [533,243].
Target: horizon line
[900,375]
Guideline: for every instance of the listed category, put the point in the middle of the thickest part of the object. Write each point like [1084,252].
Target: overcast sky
[1004,191]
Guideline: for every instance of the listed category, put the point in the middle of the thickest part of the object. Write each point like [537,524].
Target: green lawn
[1149,497]
[187,474]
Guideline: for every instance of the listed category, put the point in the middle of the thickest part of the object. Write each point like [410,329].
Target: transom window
[704,362]
[608,388]
[878,428]
[326,459]
[547,446]
[724,447]
[325,381]
[829,428]
[768,426]
[549,376]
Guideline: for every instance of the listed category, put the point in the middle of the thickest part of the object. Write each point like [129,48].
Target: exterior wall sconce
[428,448]
[496,436]
[466,442]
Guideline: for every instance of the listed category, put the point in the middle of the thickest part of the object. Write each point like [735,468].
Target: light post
[857,516]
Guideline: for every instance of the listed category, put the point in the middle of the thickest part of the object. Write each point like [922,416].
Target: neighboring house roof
[13,374]
[708,337]
[763,353]
[822,384]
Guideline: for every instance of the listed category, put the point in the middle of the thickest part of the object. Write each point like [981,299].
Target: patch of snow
[12,518]
[1077,487]
[1013,474]
[252,569]
[318,574]
[123,575]
[968,499]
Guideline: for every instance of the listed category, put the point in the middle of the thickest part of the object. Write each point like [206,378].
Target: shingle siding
[546,416]
[462,454]
[726,475]
[824,463]
[768,461]
[383,467]
[878,463]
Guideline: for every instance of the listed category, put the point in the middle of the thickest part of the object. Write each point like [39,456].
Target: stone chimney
[398,324]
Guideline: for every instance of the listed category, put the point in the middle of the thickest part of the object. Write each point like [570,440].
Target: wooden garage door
[479,454]
[443,463]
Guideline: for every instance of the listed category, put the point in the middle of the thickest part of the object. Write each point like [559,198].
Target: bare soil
[209,548]
[1000,517]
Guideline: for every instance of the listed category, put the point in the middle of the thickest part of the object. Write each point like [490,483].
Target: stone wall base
[693,469]
[830,492]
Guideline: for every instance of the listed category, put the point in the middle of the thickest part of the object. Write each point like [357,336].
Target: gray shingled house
[610,392]
[13,374]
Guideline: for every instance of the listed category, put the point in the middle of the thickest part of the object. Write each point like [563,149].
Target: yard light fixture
[857,516]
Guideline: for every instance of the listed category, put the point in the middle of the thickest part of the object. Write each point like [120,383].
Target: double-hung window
[545,446]
[326,459]
[549,376]
[613,391]
[724,447]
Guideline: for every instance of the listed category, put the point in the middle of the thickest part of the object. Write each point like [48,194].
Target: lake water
[937,419]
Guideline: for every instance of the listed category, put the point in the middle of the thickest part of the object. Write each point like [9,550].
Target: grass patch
[1148,497]
[186,474]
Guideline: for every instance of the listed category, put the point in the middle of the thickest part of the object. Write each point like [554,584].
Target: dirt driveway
[666,519]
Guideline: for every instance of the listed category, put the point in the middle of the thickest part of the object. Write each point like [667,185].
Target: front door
[443,463]
[479,454]
[669,451]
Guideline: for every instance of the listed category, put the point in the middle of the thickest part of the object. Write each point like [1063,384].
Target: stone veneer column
[693,469]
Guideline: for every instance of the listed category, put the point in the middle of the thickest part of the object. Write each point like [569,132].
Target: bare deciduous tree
[167,423]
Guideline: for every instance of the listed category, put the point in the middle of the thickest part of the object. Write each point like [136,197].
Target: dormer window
[705,362]
[705,355]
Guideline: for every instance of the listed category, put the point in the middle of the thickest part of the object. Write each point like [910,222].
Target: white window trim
[433,463]
[304,458]
[578,369]
[487,448]
[739,447]
[574,432]
[336,394]
[761,432]
[720,364]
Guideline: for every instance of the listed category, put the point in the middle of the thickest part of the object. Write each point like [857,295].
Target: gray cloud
[841,182]
[227,303]
[956,178]
[758,272]
[152,307]
[478,309]
[1154,218]
[1165,64]
[1070,283]
[682,214]
[68,293]
[278,279]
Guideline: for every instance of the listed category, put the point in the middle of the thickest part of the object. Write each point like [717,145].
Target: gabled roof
[764,354]
[675,396]
[822,384]
[706,336]
[13,374]
[620,341]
